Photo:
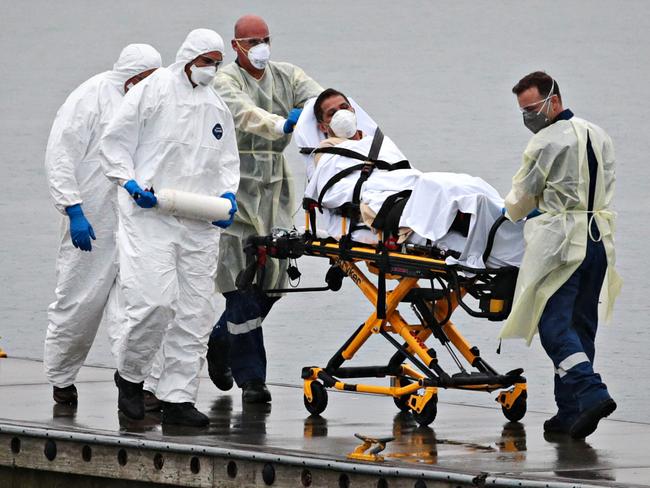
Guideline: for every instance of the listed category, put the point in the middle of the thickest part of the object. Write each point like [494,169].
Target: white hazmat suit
[74,175]
[169,134]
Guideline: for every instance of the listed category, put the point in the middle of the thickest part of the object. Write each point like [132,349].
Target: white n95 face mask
[202,75]
[259,55]
[344,123]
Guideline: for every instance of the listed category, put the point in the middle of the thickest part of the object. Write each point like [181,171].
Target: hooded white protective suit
[74,176]
[554,177]
[169,134]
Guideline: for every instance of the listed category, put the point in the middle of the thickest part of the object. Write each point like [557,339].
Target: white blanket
[434,203]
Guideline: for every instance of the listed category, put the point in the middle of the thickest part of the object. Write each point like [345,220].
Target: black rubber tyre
[402,402]
[428,413]
[518,409]
[318,403]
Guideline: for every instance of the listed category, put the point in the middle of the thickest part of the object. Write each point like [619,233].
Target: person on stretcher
[451,211]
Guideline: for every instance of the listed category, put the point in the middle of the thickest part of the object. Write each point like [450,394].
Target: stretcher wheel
[428,413]
[318,402]
[517,411]
[402,402]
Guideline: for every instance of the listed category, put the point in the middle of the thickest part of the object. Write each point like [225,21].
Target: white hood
[197,42]
[136,58]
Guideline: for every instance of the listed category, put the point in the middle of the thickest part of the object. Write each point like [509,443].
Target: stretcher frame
[413,387]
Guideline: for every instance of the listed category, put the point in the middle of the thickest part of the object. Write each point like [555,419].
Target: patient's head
[344,125]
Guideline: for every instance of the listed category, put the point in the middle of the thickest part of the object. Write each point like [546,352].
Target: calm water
[437,78]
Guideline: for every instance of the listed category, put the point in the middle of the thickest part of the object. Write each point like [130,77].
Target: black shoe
[255,391]
[587,421]
[183,414]
[65,396]
[218,366]
[555,425]
[151,402]
[130,400]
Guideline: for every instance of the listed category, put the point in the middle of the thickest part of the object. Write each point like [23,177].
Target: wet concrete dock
[281,445]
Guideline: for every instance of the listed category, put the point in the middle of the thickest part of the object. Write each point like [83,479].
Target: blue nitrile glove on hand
[80,229]
[503,210]
[144,199]
[227,223]
[292,119]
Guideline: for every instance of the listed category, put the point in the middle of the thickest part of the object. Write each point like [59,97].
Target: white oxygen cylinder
[192,205]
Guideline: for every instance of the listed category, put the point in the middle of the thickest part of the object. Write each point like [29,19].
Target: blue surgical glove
[144,199]
[534,213]
[503,210]
[292,119]
[233,209]
[80,229]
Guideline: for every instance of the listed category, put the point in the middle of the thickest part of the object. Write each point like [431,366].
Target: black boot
[130,399]
[556,425]
[65,396]
[183,414]
[255,391]
[218,362]
[587,421]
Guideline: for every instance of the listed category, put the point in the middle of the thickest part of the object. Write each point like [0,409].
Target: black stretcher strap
[310,206]
[491,236]
[369,166]
[349,153]
[387,213]
[366,170]
[369,163]
[344,151]
[377,141]
[336,178]
[381,295]
[383,165]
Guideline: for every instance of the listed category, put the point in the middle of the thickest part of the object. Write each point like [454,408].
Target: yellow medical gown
[554,177]
[266,196]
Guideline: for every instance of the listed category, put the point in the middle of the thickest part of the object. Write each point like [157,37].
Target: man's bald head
[250,31]
[251,26]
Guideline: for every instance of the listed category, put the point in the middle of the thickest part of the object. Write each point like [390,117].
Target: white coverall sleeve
[120,139]
[247,115]
[68,142]
[529,182]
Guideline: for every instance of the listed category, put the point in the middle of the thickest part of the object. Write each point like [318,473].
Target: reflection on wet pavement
[413,443]
[463,438]
[577,459]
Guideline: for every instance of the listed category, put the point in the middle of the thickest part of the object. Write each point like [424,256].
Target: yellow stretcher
[434,290]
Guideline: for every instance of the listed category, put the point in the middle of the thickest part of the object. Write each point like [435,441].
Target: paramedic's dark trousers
[242,323]
[567,330]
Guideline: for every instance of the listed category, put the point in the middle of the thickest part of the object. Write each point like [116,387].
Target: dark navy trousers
[241,322]
[567,330]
